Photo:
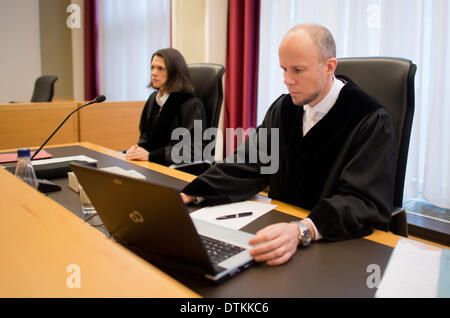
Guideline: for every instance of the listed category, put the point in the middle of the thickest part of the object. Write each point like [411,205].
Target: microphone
[100,99]
[97,99]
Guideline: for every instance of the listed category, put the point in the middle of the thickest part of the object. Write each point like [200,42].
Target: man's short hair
[321,36]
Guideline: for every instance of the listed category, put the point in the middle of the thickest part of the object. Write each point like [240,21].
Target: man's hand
[186,198]
[136,153]
[278,243]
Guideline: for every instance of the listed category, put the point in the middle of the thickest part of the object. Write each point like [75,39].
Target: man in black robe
[336,153]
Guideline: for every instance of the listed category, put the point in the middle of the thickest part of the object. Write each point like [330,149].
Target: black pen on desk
[232,216]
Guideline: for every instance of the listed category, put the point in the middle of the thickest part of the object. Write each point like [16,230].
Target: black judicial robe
[179,110]
[342,170]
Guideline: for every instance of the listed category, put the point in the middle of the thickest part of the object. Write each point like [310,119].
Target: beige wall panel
[78,56]
[56,45]
[20,54]
[188,29]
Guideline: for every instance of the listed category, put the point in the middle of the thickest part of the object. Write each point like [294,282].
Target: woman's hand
[136,153]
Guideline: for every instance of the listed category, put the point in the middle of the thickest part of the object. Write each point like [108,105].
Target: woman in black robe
[173,105]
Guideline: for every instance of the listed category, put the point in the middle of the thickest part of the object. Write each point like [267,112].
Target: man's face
[159,72]
[305,75]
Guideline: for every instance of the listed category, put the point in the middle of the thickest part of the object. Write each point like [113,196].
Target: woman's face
[159,72]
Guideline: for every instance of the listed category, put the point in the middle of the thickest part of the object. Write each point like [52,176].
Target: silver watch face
[308,236]
[305,234]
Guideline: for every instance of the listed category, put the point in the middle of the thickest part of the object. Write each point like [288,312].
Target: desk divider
[111,124]
[30,124]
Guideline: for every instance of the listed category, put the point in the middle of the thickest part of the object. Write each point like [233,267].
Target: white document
[121,171]
[63,159]
[412,271]
[209,214]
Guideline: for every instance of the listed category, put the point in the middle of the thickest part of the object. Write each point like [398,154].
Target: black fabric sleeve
[239,176]
[143,137]
[364,196]
[190,111]
[226,183]
[156,155]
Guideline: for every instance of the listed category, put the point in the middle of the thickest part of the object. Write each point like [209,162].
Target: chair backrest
[207,79]
[391,82]
[43,88]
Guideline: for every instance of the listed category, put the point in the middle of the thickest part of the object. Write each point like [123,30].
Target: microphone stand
[46,186]
[96,100]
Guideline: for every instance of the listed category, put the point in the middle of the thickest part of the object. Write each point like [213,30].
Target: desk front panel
[46,251]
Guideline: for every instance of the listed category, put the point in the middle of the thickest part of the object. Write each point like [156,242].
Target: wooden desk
[381,237]
[40,239]
[50,239]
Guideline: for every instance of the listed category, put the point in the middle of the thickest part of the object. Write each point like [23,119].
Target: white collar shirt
[161,98]
[313,114]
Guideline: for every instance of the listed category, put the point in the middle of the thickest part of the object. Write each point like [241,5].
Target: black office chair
[391,82]
[44,88]
[207,79]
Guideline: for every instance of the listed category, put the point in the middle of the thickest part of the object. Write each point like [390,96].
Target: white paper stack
[209,214]
[412,271]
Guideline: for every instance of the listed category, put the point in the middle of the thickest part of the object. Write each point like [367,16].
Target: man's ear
[330,65]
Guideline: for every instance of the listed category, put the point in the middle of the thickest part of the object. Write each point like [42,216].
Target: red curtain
[242,66]
[91,72]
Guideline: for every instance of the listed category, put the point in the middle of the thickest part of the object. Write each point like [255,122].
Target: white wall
[199,32]
[20,54]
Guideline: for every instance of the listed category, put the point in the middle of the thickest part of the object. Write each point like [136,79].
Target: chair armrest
[398,210]
[398,224]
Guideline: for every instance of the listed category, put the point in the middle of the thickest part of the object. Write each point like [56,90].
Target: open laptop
[152,220]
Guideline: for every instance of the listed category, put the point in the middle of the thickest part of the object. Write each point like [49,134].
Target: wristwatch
[305,235]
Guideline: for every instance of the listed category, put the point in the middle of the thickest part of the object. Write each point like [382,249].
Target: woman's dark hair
[178,77]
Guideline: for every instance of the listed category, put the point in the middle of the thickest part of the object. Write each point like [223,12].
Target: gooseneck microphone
[98,99]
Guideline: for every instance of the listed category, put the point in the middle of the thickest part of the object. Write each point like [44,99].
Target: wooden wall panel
[30,124]
[110,124]
[114,125]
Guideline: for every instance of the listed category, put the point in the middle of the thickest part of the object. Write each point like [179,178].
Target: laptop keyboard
[219,250]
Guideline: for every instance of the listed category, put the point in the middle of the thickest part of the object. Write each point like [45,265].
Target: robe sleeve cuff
[199,188]
[332,225]
[317,236]
[156,155]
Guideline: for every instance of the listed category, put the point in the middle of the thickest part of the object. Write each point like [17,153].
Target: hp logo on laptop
[136,217]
